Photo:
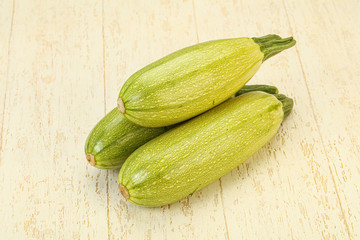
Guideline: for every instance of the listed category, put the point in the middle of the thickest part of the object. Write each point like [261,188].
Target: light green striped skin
[194,79]
[190,81]
[114,138]
[200,151]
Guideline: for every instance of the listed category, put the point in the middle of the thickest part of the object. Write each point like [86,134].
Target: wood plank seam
[104,55]
[7,77]
[227,236]
[222,204]
[196,25]
[317,123]
[104,77]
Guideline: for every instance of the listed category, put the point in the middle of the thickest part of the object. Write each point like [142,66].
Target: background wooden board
[62,64]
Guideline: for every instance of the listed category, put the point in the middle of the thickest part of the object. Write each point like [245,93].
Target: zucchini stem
[257,87]
[287,103]
[267,38]
[273,44]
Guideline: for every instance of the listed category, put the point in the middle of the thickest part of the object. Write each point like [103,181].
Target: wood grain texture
[48,190]
[330,70]
[62,65]
[6,22]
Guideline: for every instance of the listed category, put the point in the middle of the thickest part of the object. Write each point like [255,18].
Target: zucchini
[194,79]
[114,138]
[200,151]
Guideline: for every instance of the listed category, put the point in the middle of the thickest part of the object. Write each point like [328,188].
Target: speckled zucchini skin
[114,138]
[200,151]
[192,80]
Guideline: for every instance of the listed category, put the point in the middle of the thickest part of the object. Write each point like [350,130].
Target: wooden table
[62,64]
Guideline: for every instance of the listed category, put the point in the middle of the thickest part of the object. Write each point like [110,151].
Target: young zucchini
[195,79]
[114,138]
[200,151]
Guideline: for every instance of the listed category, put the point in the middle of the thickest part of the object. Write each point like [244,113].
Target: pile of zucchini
[188,119]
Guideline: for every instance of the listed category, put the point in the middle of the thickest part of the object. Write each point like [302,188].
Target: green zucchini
[114,138]
[200,151]
[194,79]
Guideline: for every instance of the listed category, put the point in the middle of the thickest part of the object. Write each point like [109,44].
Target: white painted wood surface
[62,64]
